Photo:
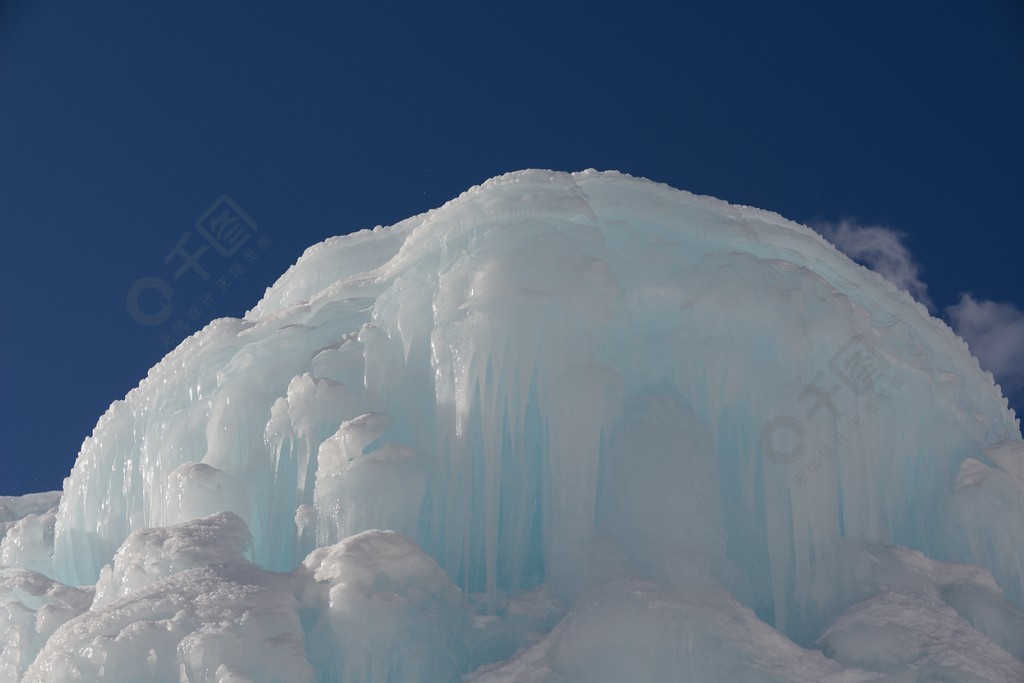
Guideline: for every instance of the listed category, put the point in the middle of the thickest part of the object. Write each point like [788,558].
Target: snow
[391,612]
[896,633]
[26,527]
[567,427]
[181,604]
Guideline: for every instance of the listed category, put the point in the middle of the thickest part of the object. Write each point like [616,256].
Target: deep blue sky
[121,122]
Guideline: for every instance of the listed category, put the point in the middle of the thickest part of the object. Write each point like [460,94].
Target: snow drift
[567,427]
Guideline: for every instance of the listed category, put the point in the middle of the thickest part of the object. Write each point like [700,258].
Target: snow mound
[391,613]
[182,604]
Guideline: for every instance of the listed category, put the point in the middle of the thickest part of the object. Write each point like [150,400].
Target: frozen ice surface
[386,611]
[13,508]
[567,427]
[182,604]
[32,608]
[26,527]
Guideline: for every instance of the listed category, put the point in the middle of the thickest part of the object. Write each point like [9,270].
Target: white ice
[567,427]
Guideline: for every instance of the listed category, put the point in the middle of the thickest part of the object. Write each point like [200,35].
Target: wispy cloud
[882,250]
[995,333]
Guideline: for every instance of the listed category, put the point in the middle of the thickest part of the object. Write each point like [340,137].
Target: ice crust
[530,436]
[26,527]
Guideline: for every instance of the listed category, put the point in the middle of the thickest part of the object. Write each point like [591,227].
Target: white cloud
[882,250]
[995,333]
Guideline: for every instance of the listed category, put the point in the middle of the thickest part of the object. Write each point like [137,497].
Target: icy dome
[567,427]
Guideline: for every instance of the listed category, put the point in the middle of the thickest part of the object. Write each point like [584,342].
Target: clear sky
[121,123]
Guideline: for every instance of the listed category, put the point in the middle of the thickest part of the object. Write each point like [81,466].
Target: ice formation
[567,427]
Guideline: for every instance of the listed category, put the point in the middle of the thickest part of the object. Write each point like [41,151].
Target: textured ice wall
[516,322]
[563,380]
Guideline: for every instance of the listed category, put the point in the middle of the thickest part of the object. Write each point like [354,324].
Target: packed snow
[567,427]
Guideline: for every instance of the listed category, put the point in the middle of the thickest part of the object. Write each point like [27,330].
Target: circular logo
[135,293]
[782,440]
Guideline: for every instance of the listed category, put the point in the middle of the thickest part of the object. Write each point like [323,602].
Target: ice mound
[26,527]
[916,639]
[567,427]
[182,604]
[153,554]
[13,508]
[32,607]
[634,630]
[391,612]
